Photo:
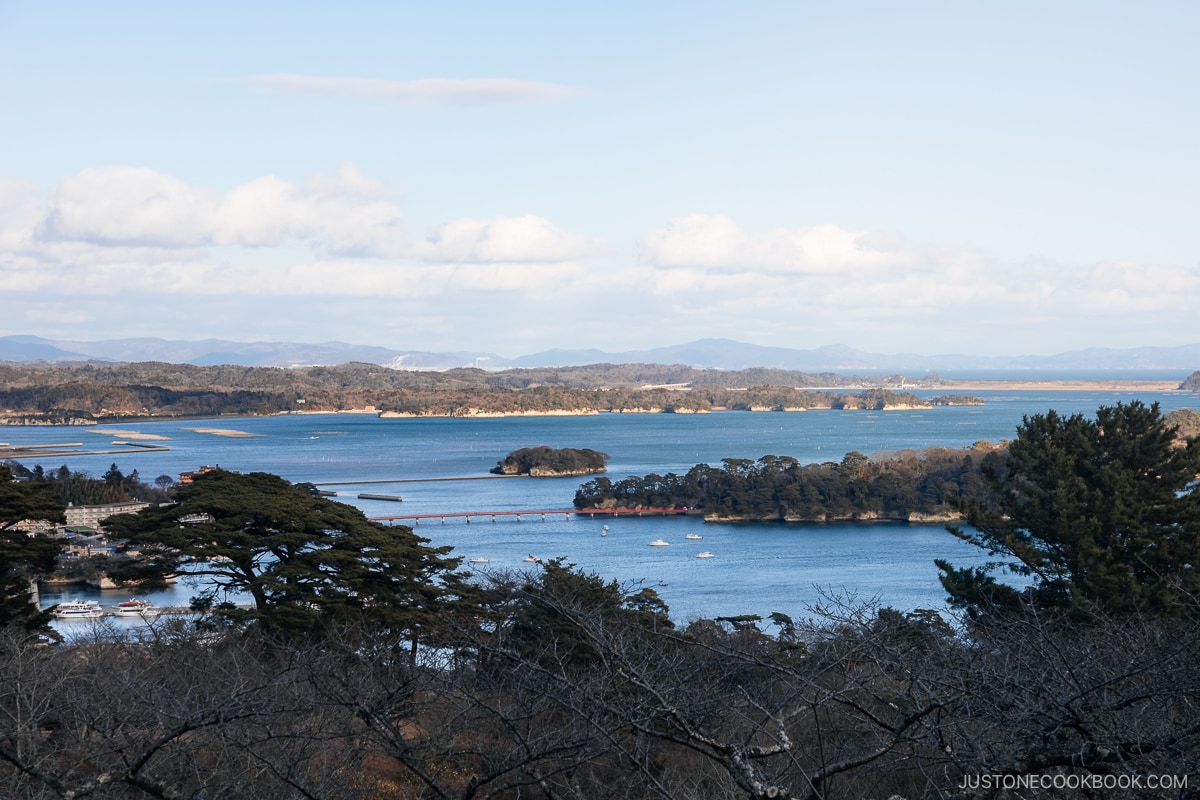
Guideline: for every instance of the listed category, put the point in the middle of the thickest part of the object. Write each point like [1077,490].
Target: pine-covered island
[548,462]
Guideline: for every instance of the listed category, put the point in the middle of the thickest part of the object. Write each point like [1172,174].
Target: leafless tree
[852,701]
[168,717]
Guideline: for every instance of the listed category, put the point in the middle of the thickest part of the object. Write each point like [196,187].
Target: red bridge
[566,512]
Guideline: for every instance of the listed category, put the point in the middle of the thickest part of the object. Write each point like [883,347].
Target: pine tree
[1102,513]
[23,557]
[305,562]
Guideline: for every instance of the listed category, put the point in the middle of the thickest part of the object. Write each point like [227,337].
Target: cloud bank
[271,253]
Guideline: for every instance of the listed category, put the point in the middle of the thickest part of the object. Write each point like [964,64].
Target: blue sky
[927,177]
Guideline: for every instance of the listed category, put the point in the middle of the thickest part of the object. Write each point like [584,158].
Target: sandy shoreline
[227,432]
[154,437]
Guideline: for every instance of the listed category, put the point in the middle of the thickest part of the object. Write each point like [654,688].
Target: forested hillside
[91,392]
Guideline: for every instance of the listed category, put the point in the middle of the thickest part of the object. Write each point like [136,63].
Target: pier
[541,513]
[63,449]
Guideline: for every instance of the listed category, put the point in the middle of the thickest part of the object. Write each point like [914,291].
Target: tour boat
[79,609]
[659,543]
[693,536]
[705,554]
[134,608]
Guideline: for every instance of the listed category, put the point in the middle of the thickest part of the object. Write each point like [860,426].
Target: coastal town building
[92,516]
[188,477]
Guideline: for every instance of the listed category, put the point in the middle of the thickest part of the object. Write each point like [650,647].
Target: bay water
[755,568]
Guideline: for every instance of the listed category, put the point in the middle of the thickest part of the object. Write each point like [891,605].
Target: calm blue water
[756,569]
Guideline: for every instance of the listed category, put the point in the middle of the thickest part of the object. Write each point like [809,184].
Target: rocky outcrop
[546,472]
[914,517]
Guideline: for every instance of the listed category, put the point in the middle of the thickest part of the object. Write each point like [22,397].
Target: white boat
[134,608]
[79,609]
[605,531]
[532,559]
[693,536]
[705,554]
[659,543]
[479,560]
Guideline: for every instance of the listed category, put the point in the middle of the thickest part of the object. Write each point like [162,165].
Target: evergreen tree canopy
[302,560]
[1101,512]
[22,556]
[553,617]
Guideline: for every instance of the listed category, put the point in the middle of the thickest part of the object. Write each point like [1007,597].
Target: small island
[547,462]
[909,486]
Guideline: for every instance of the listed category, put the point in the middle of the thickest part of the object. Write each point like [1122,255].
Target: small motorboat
[693,536]
[79,609]
[532,559]
[479,560]
[134,608]
[604,532]
[705,554]
[659,543]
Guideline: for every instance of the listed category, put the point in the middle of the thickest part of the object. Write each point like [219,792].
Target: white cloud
[21,209]
[134,206]
[717,242]
[505,239]
[348,180]
[110,230]
[343,215]
[835,277]
[1118,287]
[128,205]
[425,93]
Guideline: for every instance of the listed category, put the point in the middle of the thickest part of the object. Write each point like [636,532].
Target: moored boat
[134,608]
[659,543]
[705,554]
[78,609]
[693,536]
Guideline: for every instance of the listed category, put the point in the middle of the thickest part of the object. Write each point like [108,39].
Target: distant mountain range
[722,354]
